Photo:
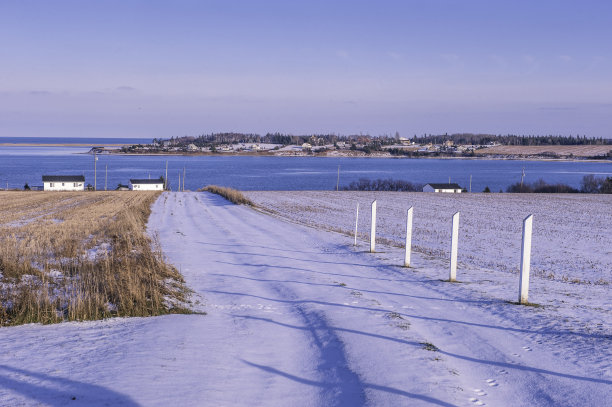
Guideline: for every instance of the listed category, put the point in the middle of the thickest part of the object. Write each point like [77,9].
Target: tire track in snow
[338,384]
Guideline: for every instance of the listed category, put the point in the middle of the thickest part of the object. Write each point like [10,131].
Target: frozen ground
[297,316]
[572,238]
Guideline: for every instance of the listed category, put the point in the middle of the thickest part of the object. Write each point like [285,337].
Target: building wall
[146,187]
[428,188]
[63,186]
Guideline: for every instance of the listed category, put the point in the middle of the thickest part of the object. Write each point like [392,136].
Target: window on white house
[62,184]
[51,184]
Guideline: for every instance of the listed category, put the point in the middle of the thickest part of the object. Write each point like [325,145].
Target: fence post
[454,246]
[356,223]
[373,228]
[525,259]
[408,238]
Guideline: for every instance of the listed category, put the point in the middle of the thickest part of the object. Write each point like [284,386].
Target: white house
[147,184]
[63,182]
[448,188]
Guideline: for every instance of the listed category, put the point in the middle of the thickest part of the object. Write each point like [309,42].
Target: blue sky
[170,68]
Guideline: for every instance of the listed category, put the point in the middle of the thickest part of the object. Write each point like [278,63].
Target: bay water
[20,165]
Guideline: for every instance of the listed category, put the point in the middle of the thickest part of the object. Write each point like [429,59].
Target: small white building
[63,182]
[447,188]
[147,184]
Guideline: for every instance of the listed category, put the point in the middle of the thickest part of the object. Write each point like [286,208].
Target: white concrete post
[525,260]
[408,238]
[454,246]
[356,223]
[373,229]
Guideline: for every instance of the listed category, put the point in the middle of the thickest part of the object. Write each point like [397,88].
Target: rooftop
[63,178]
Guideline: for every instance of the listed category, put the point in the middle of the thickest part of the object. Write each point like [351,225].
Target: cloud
[125,89]
[557,108]
[565,58]
[394,55]
[39,92]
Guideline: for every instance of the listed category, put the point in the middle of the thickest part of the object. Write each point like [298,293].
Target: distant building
[447,188]
[63,182]
[147,184]
[306,146]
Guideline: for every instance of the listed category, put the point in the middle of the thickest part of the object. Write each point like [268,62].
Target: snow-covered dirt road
[296,316]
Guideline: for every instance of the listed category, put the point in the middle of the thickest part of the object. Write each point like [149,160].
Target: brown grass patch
[562,151]
[82,255]
[232,195]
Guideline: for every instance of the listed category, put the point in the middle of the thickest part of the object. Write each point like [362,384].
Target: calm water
[73,140]
[19,165]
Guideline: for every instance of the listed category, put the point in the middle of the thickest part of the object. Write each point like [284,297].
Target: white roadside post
[373,229]
[525,259]
[454,246]
[408,237]
[356,223]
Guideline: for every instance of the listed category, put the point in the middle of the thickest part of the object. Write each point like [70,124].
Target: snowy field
[572,238]
[297,316]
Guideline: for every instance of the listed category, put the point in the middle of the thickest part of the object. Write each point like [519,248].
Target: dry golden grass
[81,255]
[230,194]
[577,151]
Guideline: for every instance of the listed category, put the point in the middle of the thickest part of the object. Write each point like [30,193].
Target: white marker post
[408,238]
[454,246]
[373,229]
[356,223]
[525,260]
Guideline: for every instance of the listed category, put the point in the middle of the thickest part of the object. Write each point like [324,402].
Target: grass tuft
[230,194]
[430,346]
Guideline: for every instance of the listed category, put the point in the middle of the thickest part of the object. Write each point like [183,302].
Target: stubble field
[81,255]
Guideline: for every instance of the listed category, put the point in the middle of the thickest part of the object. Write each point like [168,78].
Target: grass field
[576,151]
[81,255]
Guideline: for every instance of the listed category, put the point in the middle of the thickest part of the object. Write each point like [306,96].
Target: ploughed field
[80,255]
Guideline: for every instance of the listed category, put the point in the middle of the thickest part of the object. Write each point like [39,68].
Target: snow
[297,316]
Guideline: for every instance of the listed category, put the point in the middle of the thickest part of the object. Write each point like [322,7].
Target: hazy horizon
[155,69]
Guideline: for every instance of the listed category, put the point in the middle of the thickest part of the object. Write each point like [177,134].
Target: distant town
[456,145]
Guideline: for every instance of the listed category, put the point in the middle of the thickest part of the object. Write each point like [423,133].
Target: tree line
[205,140]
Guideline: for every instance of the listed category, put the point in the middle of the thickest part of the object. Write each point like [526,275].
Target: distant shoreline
[336,154]
[64,145]
[343,155]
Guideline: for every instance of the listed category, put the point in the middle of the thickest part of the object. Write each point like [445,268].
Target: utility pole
[338,180]
[522,176]
[95,171]
[470,183]
[166,179]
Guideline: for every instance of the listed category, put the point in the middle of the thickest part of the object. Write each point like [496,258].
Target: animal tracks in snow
[480,392]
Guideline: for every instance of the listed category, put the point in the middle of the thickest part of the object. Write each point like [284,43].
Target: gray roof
[445,186]
[63,178]
[147,181]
